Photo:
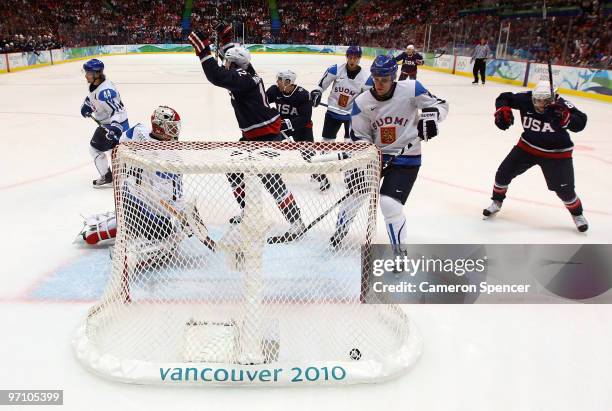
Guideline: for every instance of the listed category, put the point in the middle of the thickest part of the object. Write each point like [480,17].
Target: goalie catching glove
[428,123]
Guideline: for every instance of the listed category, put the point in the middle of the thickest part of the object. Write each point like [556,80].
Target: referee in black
[479,57]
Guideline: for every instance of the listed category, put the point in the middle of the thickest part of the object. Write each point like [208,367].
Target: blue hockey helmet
[353,51]
[93,65]
[384,65]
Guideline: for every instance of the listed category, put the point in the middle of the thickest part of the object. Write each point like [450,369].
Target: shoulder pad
[107,94]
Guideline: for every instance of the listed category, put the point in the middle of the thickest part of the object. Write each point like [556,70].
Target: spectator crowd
[582,38]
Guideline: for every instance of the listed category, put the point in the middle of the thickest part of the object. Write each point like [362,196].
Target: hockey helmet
[384,65]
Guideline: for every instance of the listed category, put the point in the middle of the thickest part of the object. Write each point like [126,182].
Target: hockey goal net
[231,264]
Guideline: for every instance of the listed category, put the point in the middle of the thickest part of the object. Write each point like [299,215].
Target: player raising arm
[388,116]
[545,142]
[256,119]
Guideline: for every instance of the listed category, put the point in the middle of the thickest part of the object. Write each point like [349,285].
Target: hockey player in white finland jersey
[104,105]
[348,80]
[144,192]
[388,116]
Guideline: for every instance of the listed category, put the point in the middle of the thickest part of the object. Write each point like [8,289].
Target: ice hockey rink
[480,357]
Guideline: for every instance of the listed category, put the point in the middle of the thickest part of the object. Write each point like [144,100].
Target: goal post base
[290,374]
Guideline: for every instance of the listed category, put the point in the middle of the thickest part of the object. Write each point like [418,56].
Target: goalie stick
[191,220]
[194,224]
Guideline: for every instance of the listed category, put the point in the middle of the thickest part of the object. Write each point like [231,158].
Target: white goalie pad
[98,229]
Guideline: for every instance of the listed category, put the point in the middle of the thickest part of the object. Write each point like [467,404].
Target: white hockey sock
[328,140]
[100,160]
[395,220]
[348,211]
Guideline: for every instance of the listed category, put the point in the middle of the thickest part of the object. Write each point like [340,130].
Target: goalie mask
[166,123]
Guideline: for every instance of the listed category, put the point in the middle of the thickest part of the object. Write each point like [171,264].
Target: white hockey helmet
[286,74]
[166,123]
[541,95]
[410,47]
[238,55]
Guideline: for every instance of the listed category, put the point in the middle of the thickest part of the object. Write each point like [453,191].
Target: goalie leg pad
[99,229]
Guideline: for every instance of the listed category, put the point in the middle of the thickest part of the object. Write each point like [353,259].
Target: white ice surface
[476,357]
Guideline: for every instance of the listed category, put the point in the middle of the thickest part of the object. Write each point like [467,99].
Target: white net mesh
[229,255]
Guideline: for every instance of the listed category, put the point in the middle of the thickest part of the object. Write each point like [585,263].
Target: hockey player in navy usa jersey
[545,142]
[409,59]
[293,104]
[104,105]
[388,116]
[256,119]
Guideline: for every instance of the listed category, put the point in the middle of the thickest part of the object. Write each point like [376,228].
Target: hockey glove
[559,116]
[286,125]
[315,97]
[86,108]
[200,44]
[504,117]
[113,131]
[286,129]
[428,123]
[225,33]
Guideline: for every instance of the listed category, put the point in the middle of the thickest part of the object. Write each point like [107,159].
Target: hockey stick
[288,238]
[550,75]
[394,156]
[217,34]
[97,122]
[439,53]
[343,155]
[194,225]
